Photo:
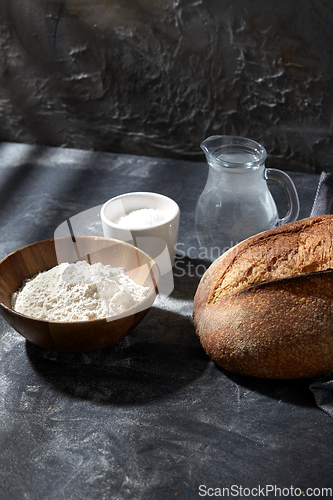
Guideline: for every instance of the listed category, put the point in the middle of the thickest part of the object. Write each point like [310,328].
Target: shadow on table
[187,275]
[294,391]
[161,356]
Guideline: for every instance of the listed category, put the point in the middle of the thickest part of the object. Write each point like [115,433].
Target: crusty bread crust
[265,308]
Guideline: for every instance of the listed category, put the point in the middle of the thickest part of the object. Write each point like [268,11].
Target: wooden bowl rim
[108,319]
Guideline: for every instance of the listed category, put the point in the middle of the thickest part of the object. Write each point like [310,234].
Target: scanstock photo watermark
[267,491]
[193,261]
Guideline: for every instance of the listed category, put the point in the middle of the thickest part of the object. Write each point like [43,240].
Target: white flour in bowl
[78,292]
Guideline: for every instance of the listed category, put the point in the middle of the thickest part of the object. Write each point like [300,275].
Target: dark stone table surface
[151,417]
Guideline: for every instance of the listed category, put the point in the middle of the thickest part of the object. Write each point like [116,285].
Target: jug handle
[289,186]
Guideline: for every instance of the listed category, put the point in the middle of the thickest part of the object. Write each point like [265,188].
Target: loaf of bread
[265,307]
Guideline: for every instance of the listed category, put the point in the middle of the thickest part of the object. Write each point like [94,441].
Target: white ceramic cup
[158,241]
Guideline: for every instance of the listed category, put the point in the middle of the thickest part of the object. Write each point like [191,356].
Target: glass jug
[236,202]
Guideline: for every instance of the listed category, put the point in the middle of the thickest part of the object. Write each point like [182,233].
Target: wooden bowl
[83,336]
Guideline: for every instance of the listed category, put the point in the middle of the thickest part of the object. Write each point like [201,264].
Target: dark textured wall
[157,77]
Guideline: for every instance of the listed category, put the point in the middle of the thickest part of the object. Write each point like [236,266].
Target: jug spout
[210,145]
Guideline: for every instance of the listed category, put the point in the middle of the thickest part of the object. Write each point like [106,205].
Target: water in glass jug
[236,202]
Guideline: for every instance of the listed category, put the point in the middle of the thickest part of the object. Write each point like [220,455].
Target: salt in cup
[150,221]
